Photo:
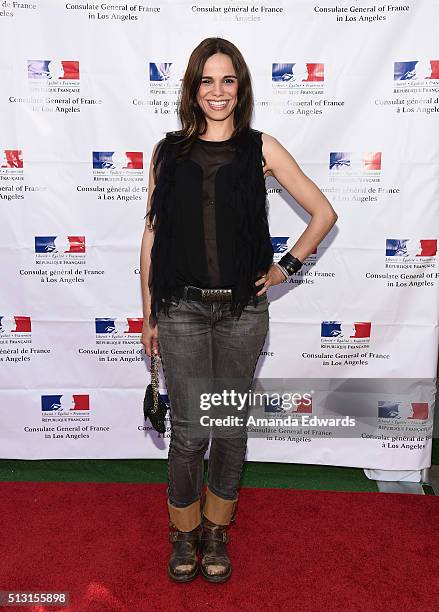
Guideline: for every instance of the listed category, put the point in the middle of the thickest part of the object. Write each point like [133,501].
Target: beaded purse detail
[154,407]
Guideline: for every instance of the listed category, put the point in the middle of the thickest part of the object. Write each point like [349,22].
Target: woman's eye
[207,81]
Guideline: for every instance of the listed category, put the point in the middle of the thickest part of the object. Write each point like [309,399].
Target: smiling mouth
[217,105]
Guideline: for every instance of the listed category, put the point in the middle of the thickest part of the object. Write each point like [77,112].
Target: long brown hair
[191,116]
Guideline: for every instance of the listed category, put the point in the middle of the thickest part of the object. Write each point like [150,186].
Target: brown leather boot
[183,564]
[184,534]
[215,564]
[218,513]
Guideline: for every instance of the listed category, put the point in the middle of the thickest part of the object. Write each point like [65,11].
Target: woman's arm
[149,335]
[281,165]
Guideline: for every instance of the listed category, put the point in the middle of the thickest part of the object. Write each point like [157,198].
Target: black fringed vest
[211,226]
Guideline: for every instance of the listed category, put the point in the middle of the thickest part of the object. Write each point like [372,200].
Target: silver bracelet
[282,270]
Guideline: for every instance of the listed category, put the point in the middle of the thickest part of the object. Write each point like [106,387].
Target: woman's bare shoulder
[269,146]
[268,141]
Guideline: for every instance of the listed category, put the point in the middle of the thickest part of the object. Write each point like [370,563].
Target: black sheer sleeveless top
[205,234]
[209,212]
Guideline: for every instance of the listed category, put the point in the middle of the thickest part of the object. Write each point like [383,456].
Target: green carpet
[256,474]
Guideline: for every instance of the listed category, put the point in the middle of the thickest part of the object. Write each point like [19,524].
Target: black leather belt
[189,292]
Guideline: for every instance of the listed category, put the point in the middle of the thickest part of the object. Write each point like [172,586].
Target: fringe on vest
[253,248]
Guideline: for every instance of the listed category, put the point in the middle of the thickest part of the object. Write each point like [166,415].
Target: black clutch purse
[154,408]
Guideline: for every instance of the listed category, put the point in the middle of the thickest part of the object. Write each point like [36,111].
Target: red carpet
[292,550]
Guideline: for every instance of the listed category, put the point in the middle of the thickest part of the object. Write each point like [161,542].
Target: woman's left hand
[273,277]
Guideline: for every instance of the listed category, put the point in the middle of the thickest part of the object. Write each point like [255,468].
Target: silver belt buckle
[212,295]
[206,295]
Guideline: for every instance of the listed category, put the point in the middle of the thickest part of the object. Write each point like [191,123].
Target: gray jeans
[204,342]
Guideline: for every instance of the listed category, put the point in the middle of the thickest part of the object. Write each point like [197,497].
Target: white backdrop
[351,89]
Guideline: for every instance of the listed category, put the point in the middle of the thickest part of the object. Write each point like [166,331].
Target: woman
[206,265]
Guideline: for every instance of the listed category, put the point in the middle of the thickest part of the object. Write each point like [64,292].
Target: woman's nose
[218,88]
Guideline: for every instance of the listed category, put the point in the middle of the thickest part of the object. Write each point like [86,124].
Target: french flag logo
[12,158]
[357,329]
[112,160]
[64,70]
[47,244]
[65,402]
[21,324]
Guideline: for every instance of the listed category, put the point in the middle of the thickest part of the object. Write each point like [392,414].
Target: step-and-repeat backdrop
[351,89]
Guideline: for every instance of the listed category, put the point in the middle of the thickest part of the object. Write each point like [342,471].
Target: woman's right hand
[149,338]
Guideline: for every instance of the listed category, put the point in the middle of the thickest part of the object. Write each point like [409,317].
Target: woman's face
[218,92]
